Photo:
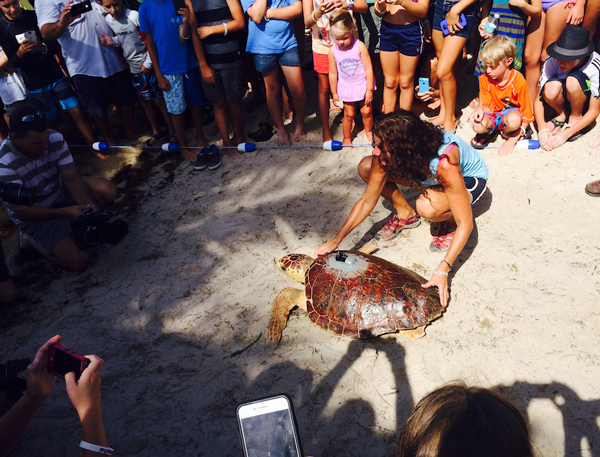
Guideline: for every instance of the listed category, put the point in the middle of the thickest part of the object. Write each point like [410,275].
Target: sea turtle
[355,294]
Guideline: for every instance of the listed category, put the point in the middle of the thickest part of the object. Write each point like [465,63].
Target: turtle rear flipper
[285,301]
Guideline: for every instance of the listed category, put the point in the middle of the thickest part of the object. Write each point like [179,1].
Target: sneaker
[214,157]
[393,228]
[443,234]
[201,160]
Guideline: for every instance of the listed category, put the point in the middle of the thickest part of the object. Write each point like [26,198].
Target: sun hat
[572,44]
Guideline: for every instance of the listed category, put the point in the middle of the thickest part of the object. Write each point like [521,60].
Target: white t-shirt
[127,35]
[12,87]
[591,69]
[80,43]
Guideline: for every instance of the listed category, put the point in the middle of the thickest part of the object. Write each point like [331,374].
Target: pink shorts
[321,63]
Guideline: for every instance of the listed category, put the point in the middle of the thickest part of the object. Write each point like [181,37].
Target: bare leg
[197,114]
[406,78]
[220,109]
[556,20]
[151,115]
[367,115]
[179,125]
[127,118]
[390,64]
[434,206]
[83,123]
[9,292]
[274,104]
[293,76]
[162,106]
[576,99]
[104,128]
[533,51]
[451,52]
[349,114]
[590,20]
[237,117]
[390,190]
[324,106]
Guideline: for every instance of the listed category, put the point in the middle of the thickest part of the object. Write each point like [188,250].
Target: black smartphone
[81,7]
[179,4]
[61,361]
[268,427]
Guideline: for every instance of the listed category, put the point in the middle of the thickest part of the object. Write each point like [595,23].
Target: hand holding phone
[61,361]
[462,21]
[82,7]
[423,85]
[268,427]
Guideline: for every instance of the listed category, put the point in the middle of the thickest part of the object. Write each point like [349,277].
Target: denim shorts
[265,63]
[443,7]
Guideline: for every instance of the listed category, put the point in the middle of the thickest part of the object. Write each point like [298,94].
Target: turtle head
[295,265]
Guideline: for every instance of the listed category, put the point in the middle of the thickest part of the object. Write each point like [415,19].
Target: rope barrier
[242,147]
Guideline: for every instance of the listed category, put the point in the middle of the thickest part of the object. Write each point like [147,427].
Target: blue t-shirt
[158,17]
[273,36]
[471,163]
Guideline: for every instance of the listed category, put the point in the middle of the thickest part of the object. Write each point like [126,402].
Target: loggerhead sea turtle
[356,295]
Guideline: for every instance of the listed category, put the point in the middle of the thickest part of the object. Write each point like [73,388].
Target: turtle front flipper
[285,301]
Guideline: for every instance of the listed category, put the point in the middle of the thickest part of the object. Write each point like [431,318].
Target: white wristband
[440,272]
[95,448]
[313,16]
[226,31]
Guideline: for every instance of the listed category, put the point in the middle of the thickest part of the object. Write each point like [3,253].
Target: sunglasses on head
[31,117]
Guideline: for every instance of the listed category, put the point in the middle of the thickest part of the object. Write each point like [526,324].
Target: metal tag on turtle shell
[345,262]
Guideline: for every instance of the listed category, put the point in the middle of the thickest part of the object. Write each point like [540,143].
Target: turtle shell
[375,298]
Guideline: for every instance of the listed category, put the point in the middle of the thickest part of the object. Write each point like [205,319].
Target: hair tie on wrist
[181,35]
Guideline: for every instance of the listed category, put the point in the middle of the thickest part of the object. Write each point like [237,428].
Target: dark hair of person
[26,118]
[460,421]
[411,143]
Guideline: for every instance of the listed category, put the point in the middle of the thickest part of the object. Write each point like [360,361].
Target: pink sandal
[395,225]
[443,235]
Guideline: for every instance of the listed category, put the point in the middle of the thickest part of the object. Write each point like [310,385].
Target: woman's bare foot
[436,120]
[299,134]
[284,139]
[594,143]
[347,141]
[102,156]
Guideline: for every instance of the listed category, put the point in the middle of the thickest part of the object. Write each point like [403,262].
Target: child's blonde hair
[342,21]
[497,49]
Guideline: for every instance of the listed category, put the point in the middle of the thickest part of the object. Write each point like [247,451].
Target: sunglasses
[28,118]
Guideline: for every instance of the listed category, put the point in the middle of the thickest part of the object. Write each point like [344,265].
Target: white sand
[193,283]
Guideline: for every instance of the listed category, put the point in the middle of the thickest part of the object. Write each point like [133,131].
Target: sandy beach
[179,309]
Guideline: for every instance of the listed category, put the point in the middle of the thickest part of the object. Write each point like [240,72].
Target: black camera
[92,228]
[17,193]
[13,375]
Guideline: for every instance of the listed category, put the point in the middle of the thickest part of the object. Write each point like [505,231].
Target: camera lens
[17,193]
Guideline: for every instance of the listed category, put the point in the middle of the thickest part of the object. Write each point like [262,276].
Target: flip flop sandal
[559,124]
[578,134]
[264,133]
[483,140]
[158,137]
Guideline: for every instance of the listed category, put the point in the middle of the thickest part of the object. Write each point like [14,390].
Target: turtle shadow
[579,416]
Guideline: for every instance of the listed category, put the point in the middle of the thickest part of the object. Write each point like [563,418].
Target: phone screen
[267,429]
[65,363]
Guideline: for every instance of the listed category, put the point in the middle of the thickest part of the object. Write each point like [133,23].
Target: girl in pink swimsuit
[350,74]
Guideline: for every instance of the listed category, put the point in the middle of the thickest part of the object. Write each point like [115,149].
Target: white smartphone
[268,427]
[29,35]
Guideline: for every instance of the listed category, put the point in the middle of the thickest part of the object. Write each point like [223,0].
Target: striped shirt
[221,52]
[42,173]
[591,69]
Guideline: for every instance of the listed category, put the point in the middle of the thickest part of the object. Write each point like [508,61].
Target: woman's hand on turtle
[441,282]
[326,248]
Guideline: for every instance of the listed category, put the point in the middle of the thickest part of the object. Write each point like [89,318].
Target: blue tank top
[471,163]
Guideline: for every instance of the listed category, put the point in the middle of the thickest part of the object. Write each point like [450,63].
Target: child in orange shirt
[505,104]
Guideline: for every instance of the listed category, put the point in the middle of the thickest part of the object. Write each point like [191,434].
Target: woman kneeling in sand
[449,172]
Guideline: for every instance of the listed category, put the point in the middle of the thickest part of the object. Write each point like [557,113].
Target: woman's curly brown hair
[411,144]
